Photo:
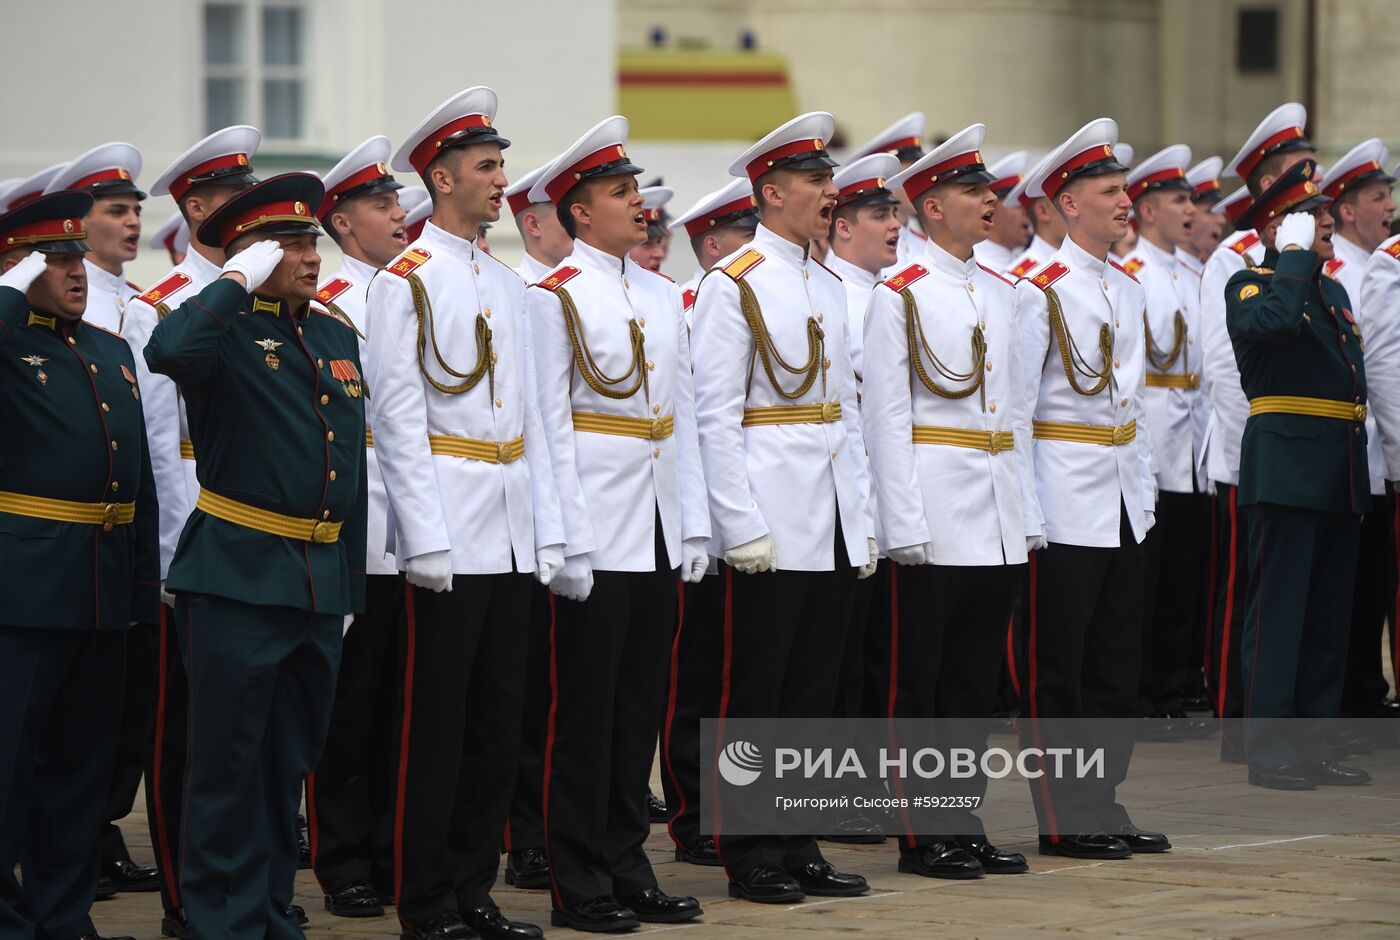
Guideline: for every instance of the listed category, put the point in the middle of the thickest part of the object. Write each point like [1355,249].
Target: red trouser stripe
[671,717]
[549,745]
[723,708]
[1227,619]
[909,840]
[401,796]
[163,846]
[1035,707]
[1213,553]
[1011,654]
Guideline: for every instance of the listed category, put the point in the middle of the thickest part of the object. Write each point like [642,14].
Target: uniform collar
[1155,255]
[1040,249]
[52,322]
[201,266]
[355,270]
[533,269]
[770,244]
[1348,251]
[274,307]
[941,260]
[853,273]
[103,279]
[1189,261]
[1079,258]
[1000,256]
[463,248]
[600,260]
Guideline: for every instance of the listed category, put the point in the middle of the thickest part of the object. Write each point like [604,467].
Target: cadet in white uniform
[1010,232]
[1177,549]
[173,237]
[718,225]
[905,139]
[458,437]
[1083,361]
[940,411]
[546,243]
[349,797]
[1047,226]
[785,462]
[613,358]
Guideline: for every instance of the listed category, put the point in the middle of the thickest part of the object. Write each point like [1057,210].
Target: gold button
[1117,363]
[1124,403]
[476,269]
[983,324]
[93,367]
[656,409]
[325,399]
[656,452]
[804,273]
[989,367]
[332,474]
[821,318]
[641,321]
[826,363]
[320,363]
[330,435]
[833,455]
[624,282]
[487,311]
[106,407]
[970,288]
[115,486]
[992,407]
[1117,324]
[72,341]
[1105,284]
[499,403]
[326,514]
[651,365]
[114,445]
[495,357]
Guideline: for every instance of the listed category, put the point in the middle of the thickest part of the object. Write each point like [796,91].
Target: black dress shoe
[1098,845]
[823,880]
[1329,773]
[104,891]
[654,906]
[1282,777]
[766,884]
[488,921]
[303,845]
[176,924]
[357,899]
[700,852]
[297,915]
[656,808]
[940,860]
[1141,841]
[528,869]
[600,915]
[449,926]
[1192,728]
[855,830]
[994,861]
[1157,728]
[126,875]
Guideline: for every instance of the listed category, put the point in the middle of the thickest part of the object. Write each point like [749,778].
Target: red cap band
[430,146]
[1209,186]
[1137,188]
[706,222]
[559,187]
[860,187]
[1338,186]
[764,163]
[1256,156]
[519,202]
[375,171]
[102,176]
[267,213]
[1061,174]
[915,185]
[1290,197]
[1004,185]
[903,143]
[48,230]
[183,184]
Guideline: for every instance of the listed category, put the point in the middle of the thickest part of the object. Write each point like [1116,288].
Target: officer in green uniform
[1303,482]
[271,561]
[79,564]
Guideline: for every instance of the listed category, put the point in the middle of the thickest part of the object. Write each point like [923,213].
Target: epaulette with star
[743,264]
[906,277]
[1051,273]
[559,278]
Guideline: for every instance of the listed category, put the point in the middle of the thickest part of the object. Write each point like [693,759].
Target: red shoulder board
[559,278]
[1052,273]
[174,283]
[1132,266]
[687,299]
[333,289]
[1123,269]
[1332,267]
[408,262]
[743,264]
[1024,268]
[828,270]
[994,274]
[1394,251]
[1245,243]
[906,277]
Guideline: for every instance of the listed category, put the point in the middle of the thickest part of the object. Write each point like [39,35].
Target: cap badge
[1108,150]
[1309,187]
[123,174]
[242,159]
[299,208]
[68,225]
[1307,170]
[383,170]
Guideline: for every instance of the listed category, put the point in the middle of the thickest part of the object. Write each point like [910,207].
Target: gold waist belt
[472,449]
[646,429]
[106,515]
[1085,433]
[991,441]
[369,438]
[1174,380]
[187,450]
[828,412]
[1316,407]
[265,520]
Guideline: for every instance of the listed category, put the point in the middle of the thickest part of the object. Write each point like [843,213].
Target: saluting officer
[78,520]
[614,371]
[1082,364]
[941,411]
[788,480]
[349,799]
[1303,483]
[271,561]
[465,463]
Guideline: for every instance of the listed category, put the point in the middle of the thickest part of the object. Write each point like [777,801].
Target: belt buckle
[501,452]
[658,429]
[1120,436]
[1360,412]
[993,443]
[1193,380]
[830,411]
[323,533]
[109,516]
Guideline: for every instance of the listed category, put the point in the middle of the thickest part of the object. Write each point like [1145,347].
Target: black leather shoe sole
[527,882]
[911,866]
[1148,848]
[1270,782]
[834,891]
[1066,850]
[737,890]
[360,909]
[708,861]
[588,925]
[674,917]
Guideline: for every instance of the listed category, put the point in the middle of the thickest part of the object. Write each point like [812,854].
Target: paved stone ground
[1246,863]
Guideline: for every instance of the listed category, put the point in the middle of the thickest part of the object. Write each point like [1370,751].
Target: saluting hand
[1298,229]
[254,264]
[25,272]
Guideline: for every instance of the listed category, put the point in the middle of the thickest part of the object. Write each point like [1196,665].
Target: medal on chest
[348,376]
[36,362]
[269,346]
[131,380]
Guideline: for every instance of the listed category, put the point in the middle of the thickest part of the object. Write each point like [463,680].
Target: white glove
[867,569]
[1297,228]
[255,264]
[753,557]
[1151,517]
[911,554]
[694,560]
[575,582]
[25,273]
[549,561]
[1035,543]
[166,597]
[345,626]
[431,570]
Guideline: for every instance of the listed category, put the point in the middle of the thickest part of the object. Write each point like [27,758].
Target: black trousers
[134,739]
[349,799]
[864,689]
[1082,663]
[1294,646]
[525,828]
[58,744]
[1373,594]
[782,643]
[607,669]
[165,774]
[1224,677]
[947,643]
[1175,566]
[697,663]
[464,666]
